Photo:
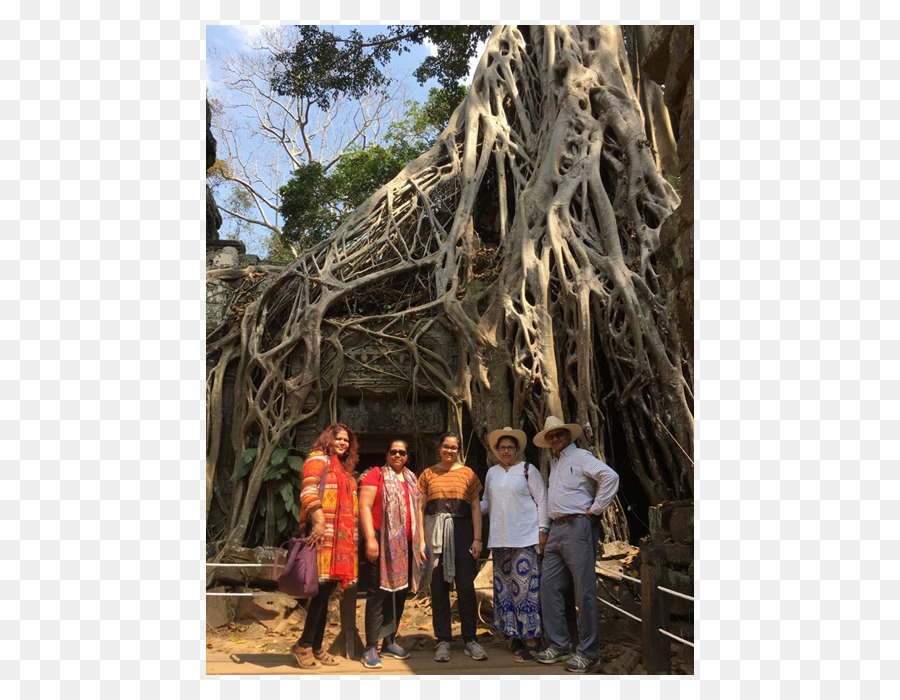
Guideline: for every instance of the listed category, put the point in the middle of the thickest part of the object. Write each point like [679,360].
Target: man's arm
[607,484]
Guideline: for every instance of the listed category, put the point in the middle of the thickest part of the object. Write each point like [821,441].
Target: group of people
[543,541]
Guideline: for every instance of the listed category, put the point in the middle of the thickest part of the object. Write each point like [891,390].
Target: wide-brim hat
[553,423]
[517,435]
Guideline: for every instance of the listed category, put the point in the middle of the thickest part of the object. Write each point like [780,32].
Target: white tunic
[517,508]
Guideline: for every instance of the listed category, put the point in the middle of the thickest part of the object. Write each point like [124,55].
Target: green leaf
[295,511]
[279,507]
[287,493]
[248,455]
[279,455]
[282,523]
[296,463]
[273,472]
[240,471]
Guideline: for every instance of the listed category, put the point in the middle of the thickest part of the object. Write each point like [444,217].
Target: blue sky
[225,37]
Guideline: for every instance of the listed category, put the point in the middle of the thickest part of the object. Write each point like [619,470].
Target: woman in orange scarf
[333,533]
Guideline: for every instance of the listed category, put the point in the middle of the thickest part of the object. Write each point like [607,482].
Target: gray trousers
[569,559]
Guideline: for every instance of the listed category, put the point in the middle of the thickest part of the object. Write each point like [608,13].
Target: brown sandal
[304,657]
[326,659]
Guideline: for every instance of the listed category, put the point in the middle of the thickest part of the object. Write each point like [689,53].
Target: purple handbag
[300,577]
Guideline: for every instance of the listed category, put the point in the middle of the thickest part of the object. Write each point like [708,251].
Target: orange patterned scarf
[337,554]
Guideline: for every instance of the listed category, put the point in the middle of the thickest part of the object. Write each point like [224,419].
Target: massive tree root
[528,231]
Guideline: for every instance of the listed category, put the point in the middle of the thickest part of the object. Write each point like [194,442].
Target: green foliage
[314,203]
[455,45]
[308,206]
[320,69]
[282,480]
[323,66]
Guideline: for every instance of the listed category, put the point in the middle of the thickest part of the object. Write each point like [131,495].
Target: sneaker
[578,664]
[442,651]
[476,651]
[395,650]
[551,655]
[371,659]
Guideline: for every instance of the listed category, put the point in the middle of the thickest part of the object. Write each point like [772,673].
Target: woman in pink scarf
[389,521]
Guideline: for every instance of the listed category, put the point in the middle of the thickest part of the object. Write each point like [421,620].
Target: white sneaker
[442,651]
[476,651]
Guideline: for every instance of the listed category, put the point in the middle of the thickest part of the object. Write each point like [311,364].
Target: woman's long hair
[325,442]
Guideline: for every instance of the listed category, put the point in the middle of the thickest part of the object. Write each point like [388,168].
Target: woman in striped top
[452,535]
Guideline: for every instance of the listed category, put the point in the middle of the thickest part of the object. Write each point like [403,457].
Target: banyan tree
[510,270]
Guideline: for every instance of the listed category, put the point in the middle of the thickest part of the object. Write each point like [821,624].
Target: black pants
[465,587]
[316,617]
[383,608]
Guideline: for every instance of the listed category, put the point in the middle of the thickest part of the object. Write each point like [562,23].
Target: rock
[617,549]
[227,257]
[681,524]
[219,609]
[217,295]
[680,554]
[673,520]
[484,589]
[624,664]
[247,259]
[270,611]
[213,217]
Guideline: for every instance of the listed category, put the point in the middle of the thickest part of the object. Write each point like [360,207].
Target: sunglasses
[557,435]
[402,453]
[450,448]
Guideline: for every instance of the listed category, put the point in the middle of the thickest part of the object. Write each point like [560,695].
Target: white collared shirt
[517,508]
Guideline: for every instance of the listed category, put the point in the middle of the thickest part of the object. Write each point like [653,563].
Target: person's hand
[422,552]
[542,541]
[476,549]
[372,549]
[316,535]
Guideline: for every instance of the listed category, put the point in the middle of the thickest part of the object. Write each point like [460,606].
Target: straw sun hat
[553,423]
[517,435]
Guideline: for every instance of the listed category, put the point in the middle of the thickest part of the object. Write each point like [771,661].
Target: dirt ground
[259,639]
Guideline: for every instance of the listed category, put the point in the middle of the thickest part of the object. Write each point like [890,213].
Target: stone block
[680,554]
[227,257]
[219,609]
[673,520]
[681,524]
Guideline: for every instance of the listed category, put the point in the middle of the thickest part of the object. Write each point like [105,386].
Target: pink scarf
[394,558]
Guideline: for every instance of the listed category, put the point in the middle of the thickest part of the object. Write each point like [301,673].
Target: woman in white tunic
[516,500]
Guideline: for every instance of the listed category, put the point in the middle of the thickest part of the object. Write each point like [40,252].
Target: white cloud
[432,49]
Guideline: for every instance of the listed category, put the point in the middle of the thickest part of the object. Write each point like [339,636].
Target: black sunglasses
[402,453]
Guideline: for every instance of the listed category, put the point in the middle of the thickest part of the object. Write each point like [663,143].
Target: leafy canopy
[314,202]
[323,65]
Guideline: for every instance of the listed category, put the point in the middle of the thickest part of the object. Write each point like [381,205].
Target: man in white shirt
[581,488]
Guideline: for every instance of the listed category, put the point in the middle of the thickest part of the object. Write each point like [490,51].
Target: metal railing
[654,618]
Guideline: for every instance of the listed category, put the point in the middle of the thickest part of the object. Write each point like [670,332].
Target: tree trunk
[529,231]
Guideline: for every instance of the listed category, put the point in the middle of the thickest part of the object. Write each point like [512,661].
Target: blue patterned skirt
[517,604]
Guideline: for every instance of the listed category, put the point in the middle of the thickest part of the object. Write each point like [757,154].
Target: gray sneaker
[442,651]
[476,651]
[579,664]
[551,655]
